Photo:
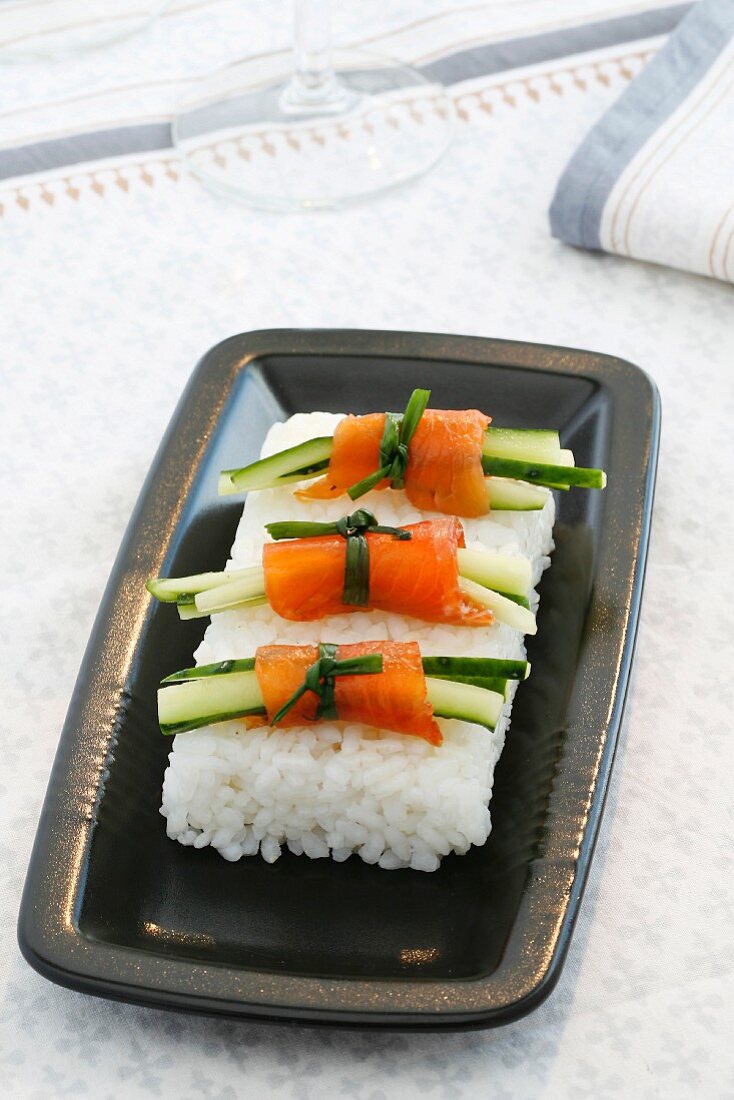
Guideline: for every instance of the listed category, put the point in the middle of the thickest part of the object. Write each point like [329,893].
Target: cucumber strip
[220,668]
[540,473]
[193,703]
[462,669]
[505,611]
[188,611]
[171,589]
[489,683]
[208,593]
[527,448]
[305,459]
[291,479]
[523,601]
[527,444]
[249,586]
[507,573]
[467,702]
[227,690]
[449,668]
[508,495]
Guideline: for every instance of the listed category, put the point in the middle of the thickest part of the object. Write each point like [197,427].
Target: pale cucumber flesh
[466,702]
[503,572]
[509,495]
[188,611]
[489,683]
[192,703]
[171,589]
[530,444]
[249,585]
[504,610]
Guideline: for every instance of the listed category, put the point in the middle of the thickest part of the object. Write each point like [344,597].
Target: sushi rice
[339,789]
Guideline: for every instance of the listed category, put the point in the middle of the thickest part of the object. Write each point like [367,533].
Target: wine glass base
[255,137]
[331,97]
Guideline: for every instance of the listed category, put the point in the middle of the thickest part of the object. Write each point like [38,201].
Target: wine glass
[319,129]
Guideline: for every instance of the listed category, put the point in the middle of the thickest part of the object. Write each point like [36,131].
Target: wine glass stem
[313,85]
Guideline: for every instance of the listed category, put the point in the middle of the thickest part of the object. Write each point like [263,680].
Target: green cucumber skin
[447,668]
[305,460]
[304,474]
[219,668]
[523,601]
[307,471]
[170,730]
[538,473]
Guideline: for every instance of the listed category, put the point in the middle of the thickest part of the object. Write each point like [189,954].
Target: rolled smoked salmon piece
[419,576]
[444,471]
[393,699]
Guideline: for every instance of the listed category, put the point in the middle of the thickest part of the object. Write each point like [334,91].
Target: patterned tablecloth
[117,272]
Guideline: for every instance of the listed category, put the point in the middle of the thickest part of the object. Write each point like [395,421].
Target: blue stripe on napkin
[583,189]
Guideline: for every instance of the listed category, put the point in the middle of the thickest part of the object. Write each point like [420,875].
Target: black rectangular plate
[112,907]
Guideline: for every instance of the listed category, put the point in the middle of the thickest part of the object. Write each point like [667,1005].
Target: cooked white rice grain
[342,789]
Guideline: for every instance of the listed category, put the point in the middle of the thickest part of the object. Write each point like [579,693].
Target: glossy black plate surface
[112,907]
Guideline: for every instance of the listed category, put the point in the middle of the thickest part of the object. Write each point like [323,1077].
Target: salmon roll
[314,570]
[445,460]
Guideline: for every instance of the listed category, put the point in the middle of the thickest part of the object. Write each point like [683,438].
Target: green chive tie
[396,437]
[320,676]
[353,529]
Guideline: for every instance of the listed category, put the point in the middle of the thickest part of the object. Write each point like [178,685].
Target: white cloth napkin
[654,179]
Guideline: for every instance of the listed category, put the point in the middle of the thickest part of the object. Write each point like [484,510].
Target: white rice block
[339,789]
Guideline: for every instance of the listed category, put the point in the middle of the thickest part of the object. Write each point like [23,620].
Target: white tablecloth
[115,277]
